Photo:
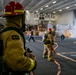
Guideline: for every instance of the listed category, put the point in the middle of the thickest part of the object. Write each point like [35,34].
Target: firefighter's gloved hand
[33,57]
[35,66]
[30,55]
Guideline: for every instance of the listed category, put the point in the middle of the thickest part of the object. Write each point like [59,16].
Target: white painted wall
[65,18]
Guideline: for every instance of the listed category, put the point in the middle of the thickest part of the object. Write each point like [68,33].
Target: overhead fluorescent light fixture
[67,7]
[41,9]
[46,5]
[27,11]
[60,10]
[36,11]
[54,12]
[54,2]
[75,4]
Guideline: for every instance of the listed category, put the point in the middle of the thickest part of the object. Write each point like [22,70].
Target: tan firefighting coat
[14,51]
[50,37]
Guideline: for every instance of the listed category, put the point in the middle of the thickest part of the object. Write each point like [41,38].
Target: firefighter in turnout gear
[48,42]
[13,42]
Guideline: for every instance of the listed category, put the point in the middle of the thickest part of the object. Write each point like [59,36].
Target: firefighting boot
[50,59]
[44,56]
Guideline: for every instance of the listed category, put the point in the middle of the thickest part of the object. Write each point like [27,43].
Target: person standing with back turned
[13,42]
[31,36]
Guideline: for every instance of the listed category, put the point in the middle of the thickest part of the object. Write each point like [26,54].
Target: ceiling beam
[31,2]
[37,5]
[62,6]
[68,10]
[21,1]
[42,6]
[55,6]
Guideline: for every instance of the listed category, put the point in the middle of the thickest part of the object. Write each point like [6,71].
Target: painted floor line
[66,57]
[67,52]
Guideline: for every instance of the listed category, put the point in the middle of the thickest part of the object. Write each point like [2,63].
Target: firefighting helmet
[50,29]
[13,8]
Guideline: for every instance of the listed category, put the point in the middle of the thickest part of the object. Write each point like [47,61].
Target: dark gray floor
[66,48]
